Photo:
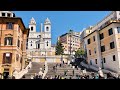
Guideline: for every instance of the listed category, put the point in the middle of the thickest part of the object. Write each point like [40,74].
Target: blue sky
[63,21]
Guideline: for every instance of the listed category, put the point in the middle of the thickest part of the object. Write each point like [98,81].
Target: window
[18,44]
[101,27]
[96,61]
[110,31]
[114,58]
[93,38]
[89,52]
[47,43]
[22,46]
[8,14]
[13,15]
[112,45]
[94,50]
[7,58]
[101,36]
[102,48]
[8,40]
[88,41]
[90,62]
[21,60]
[38,46]
[9,25]
[118,29]
[31,28]
[3,14]
[17,57]
[104,60]
[47,28]
[89,31]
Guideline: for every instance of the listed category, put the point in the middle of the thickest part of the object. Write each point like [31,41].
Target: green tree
[79,53]
[59,48]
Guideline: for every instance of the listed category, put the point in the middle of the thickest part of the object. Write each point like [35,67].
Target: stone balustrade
[19,75]
[96,69]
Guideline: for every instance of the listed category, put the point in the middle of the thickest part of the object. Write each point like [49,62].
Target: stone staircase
[35,69]
[51,72]
[60,70]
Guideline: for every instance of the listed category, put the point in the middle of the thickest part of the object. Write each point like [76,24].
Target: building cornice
[110,22]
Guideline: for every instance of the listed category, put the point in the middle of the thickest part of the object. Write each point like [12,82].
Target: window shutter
[4,55]
[10,58]
[5,41]
[21,60]
[11,40]
[21,46]
[18,44]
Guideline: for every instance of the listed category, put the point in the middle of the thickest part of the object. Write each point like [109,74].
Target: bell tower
[32,25]
[47,33]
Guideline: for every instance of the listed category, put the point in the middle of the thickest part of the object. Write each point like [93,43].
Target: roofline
[101,28]
[102,20]
[15,18]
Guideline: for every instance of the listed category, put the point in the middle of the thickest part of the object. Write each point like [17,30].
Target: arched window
[9,25]
[8,40]
[7,58]
[38,46]
[21,60]
[31,28]
[47,28]
[47,43]
[17,57]
[13,15]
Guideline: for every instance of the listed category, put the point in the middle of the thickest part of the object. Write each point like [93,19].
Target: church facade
[39,43]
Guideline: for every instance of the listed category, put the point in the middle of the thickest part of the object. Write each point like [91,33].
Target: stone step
[34,69]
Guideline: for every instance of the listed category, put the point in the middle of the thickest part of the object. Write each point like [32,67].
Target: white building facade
[39,43]
[102,43]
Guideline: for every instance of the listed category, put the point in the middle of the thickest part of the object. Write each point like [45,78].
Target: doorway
[5,75]
[102,64]
[90,62]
